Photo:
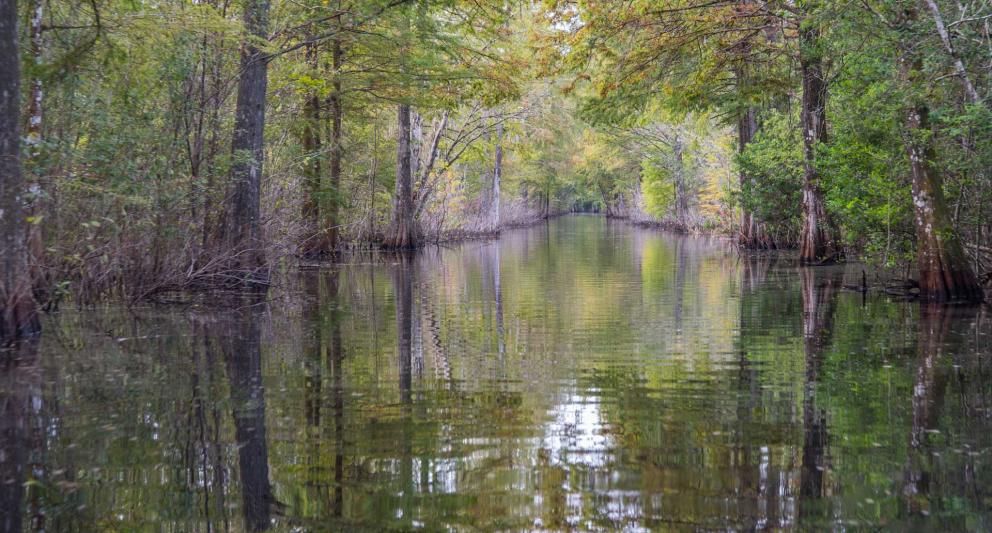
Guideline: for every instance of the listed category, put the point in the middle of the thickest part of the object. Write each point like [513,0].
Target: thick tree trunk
[18,313]
[818,243]
[313,238]
[241,231]
[402,233]
[945,273]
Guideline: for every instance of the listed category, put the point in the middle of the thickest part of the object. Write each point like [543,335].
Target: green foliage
[657,187]
[773,163]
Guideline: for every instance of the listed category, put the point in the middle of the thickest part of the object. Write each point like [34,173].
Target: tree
[497,176]
[315,241]
[945,273]
[18,313]
[402,232]
[694,56]
[241,233]
[819,239]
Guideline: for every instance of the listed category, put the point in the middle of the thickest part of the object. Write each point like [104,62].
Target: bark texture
[18,313]
[241,231]
[945,272]
[402,232]
[818,243]
[959,68]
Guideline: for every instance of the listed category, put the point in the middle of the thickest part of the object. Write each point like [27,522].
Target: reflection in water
[819,293]
[20,425]
[403,273]
[928,396]
[238,335]
[336,356]
[577,376]
[205,458]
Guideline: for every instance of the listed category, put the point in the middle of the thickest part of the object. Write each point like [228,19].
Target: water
[578,375]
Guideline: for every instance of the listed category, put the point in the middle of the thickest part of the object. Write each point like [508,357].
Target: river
[581,374]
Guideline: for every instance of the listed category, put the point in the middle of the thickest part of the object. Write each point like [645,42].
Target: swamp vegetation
[209,144]
[495,265]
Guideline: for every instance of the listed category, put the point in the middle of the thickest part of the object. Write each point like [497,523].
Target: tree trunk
[35,243]
[751,233]
[681,187]
[18,314]
[402,234]
[424,176]
[313,238]
[35,109]
[945,273]
[606,199]
[241,231]
[818,243]
[497,176]
[331,221]
[959,68]
[216,99]
[416,146]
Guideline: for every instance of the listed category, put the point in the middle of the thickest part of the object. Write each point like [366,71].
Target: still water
[577,375]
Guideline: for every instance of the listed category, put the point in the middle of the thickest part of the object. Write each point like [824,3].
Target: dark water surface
[578,375]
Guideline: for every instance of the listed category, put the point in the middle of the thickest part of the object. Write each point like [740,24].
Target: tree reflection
[928,396]
[336,360]
[238,335]
[498,296]
[206,456]
[403,273]
[819,292]
[751,479]
[20,424]
[489,260]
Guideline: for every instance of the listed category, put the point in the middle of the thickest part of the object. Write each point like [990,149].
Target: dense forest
[174,145]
